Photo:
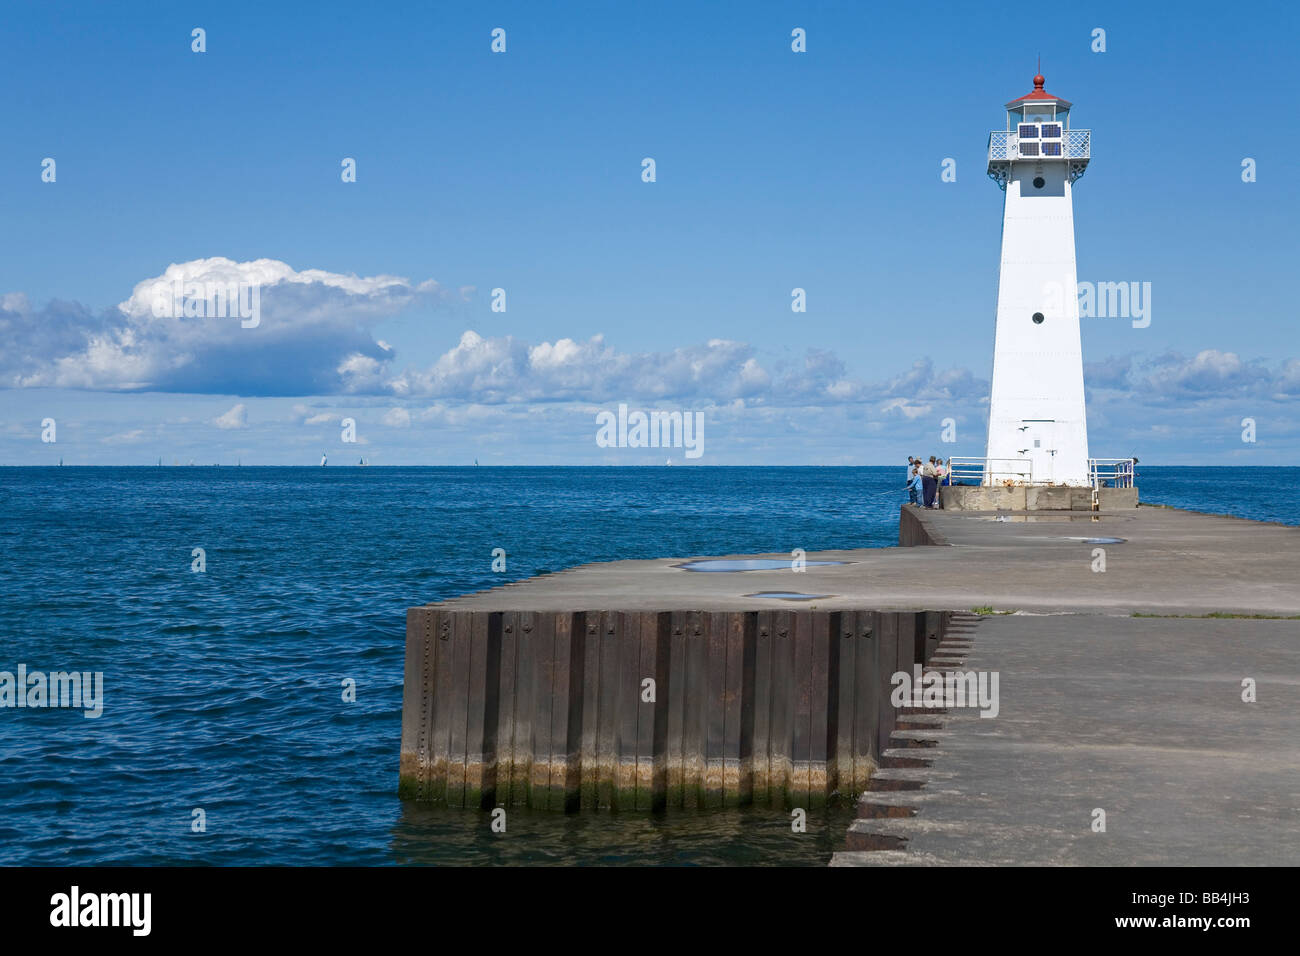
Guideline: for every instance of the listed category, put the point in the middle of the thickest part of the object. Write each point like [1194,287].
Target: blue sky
[522,171]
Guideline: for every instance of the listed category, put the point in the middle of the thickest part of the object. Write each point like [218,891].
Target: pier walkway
[1141,718]
[1121,641]
[1171,562]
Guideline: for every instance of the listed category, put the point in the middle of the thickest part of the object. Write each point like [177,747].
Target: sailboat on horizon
[323,459]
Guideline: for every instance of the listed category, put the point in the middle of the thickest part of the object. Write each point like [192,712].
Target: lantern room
[1038,128]
[1038,107]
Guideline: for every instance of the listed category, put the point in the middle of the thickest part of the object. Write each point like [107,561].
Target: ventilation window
[1039,182]
[1038,318]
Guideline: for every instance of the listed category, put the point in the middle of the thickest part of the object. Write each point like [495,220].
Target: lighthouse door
[1039,437]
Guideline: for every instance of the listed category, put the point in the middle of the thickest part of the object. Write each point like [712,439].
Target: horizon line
[630,465]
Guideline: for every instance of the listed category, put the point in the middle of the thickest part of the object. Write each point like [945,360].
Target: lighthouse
[1038,431]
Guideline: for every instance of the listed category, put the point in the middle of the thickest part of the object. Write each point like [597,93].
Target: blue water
[223,689]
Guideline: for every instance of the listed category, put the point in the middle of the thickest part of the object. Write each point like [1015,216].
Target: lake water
[222,689]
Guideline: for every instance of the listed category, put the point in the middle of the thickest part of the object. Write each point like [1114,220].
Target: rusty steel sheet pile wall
[640,710]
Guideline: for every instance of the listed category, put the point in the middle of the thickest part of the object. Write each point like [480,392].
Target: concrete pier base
[1032,498]
[637,710]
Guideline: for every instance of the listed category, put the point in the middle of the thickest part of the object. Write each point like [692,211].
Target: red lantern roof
[1039,94]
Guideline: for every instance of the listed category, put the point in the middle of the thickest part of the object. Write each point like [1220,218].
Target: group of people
[924,479]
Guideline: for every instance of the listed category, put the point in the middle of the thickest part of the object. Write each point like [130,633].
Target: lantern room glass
[1032,113]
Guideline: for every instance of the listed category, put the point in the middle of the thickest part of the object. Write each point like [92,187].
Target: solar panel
[1051,149]
[1052,130]
[1028,131]
[1028,149]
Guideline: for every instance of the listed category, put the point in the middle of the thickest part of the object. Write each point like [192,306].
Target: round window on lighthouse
[1039,182]
[1038,318]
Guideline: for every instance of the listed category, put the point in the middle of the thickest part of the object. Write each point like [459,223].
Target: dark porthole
[1038,318]
[1039,182]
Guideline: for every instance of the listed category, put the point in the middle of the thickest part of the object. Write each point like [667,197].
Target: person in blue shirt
[914,485]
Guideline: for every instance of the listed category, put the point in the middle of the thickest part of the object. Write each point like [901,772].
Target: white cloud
[237,417]
[312,336]
[132,437]
[1210,375]
[316,338]
[265,274]
[496,370]
[361,373]
[397,418]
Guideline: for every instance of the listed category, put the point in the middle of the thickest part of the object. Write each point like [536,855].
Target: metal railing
[1111,472]
[991,471]
[1004,146]
[998,145]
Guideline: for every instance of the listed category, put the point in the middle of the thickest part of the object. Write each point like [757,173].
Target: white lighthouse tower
[1038,433]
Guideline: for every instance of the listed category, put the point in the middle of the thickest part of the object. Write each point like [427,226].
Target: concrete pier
[640,709]
[1140,718]
[1033,498]
[1149,706]
[533,692]
[1170,562]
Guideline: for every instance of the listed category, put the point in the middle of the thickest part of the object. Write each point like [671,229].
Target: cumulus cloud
[1209,375]
[315,337]
[397,418]
[237,417]
[35,340]
[506,369]
[183,331]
